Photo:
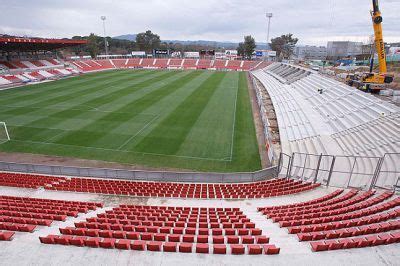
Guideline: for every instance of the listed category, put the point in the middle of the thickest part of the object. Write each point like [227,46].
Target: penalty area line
[140,131]
[124,151]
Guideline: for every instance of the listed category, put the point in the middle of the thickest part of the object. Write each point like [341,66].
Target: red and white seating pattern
[263,189]
[31,64]
[27,180]
[161,63]
[341,221]
[168,229]
[26,214]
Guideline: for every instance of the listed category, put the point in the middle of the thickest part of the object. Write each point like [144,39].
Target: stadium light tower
[269,16]
[103,18]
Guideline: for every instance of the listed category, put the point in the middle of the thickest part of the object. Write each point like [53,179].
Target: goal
[4,136]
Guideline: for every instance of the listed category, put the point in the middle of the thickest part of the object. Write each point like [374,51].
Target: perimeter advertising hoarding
[207,52]
[138,53]
[192,54]
[161,52]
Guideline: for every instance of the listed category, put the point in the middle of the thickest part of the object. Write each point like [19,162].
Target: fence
[162,176]
[361,172]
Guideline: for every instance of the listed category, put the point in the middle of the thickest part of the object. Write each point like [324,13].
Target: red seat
[169,247]
[107,243]
[154,246]
[92,242]
[123,244]
[254,249]
[237,249]
[202,239]
[202,248]
[271,249]
[185,247]
[138,245]
[319,246]
[6,236]
[218,239]
[219,249]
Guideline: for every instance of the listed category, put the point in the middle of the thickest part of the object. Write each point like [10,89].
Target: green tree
[284,45]
[240,50]
[147,41]
[246,48]
[93,45]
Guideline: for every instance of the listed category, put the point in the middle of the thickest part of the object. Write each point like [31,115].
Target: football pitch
[199,120]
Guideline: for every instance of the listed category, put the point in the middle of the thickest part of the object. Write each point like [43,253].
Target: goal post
[4,136]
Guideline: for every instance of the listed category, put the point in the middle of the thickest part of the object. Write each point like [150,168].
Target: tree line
[145,41]
[148,41]
[283,45]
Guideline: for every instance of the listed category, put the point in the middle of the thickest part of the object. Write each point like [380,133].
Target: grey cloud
[313,21]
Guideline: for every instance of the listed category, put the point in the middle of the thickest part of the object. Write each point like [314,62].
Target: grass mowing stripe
[33,140]
[59,96]
[81,100]
[245,151]
[38,90]
[68,114]
[217,115]
[167,137]
[136,106]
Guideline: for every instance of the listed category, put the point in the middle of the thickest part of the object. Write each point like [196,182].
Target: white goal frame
[3,124]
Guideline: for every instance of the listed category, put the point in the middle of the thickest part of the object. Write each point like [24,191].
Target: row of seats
[26,214]
[31,64]
[357,242]
[161,228]
[182,247]
[341,220]
[287,73]
[34,76]
[270,188]
[27,180]
[160,63]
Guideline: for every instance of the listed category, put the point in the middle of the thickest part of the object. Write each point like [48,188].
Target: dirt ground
[258,124]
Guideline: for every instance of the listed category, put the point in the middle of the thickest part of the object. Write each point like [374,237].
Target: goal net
[4,136]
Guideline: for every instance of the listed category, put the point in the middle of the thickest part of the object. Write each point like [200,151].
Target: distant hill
[226,45]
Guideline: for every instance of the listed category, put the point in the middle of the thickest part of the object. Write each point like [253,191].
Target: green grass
[199,120]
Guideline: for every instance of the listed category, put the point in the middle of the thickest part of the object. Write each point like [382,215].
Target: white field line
[94,109]
[233,125]
[125,151]
[140,131]
[55,136]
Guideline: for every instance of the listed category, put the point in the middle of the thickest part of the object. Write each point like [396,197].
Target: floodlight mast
[269,16]
[103,18]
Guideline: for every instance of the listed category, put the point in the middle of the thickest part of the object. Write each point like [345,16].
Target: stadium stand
[168,229]
[319,115]
[300,96]
[21,214]
[270,188]
[340,220]
[262,189]
[27,180]
[162,63]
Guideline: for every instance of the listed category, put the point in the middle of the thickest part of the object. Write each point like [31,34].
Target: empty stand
[319,115]
[270,188]
[354,219]
[27,180]
[168,229]
[21,214]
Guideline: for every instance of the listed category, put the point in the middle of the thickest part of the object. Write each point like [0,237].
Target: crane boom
[379,44]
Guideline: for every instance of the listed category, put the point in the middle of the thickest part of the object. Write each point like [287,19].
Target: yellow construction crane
[371,81]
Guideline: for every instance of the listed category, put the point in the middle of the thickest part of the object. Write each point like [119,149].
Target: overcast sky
[312,21]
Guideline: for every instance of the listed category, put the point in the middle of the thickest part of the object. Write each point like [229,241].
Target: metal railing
[141,175]
[361,172]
